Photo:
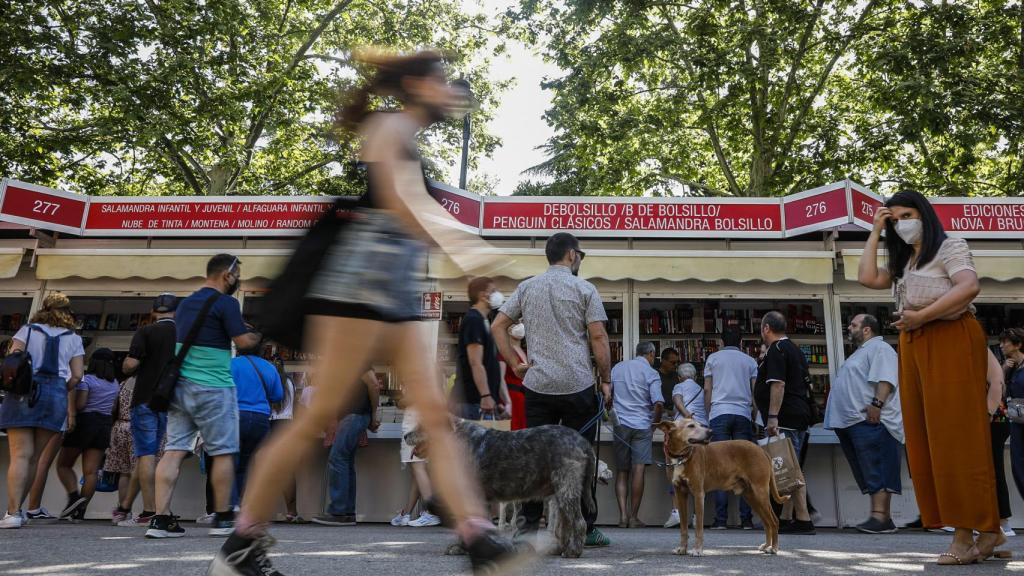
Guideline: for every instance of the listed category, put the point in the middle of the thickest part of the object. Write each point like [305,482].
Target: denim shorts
[148,430]
[49,413]
[206,410]
[374,271]
[632,447]
[874,457]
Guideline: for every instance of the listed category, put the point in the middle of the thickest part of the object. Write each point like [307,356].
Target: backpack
[284,307]
[17,375]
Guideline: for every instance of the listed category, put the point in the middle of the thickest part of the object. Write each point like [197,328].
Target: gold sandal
[957,560]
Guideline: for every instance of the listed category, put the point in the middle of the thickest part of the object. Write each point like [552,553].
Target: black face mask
[233,287]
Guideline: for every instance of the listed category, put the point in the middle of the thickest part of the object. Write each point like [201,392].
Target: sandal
[951,559]
[986,552]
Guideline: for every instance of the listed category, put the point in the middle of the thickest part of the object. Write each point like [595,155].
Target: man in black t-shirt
[667,370]
[478,376]
[781,396]
[152,348]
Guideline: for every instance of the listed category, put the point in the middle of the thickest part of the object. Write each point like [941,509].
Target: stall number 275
[43,207]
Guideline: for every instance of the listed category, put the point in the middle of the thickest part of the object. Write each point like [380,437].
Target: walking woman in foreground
[365,300]
[943,360]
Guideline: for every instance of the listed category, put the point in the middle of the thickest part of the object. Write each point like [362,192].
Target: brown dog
[738,466]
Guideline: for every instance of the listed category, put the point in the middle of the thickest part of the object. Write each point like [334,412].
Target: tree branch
[794,129]
[798,59]
[171,152]
[260,121]
[312,168]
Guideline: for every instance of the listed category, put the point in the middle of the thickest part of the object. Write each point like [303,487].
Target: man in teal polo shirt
[204,398]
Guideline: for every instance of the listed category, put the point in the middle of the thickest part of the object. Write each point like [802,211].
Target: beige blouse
[920,287]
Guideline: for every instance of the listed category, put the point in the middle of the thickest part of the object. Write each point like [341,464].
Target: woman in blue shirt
[258,385]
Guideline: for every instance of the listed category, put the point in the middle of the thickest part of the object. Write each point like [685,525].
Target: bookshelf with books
[14,314]
[694,327]
[110,322]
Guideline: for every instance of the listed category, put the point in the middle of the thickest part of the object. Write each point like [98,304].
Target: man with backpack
[782,397]
[204,400]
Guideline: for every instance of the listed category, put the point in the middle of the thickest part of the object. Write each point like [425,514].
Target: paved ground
[95,548]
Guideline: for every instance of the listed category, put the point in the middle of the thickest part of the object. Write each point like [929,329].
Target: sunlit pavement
[95,548]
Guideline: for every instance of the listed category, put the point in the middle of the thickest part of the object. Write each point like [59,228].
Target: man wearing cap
[151,349]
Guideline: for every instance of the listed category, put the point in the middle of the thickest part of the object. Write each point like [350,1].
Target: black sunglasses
[581,253]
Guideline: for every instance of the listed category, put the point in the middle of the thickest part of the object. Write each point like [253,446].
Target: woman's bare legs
[455,481]
[35,494]
[65,463]
[26,445]
[91,460]
[343,349]
[128,490]
[422,481]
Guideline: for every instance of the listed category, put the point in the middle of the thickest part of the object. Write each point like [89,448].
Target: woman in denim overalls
[57,357]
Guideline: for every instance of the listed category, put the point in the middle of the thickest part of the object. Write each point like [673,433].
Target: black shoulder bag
[164,391]
[284,311]
[17,370]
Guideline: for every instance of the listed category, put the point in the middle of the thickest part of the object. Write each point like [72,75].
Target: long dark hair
[386,81]
[932,235]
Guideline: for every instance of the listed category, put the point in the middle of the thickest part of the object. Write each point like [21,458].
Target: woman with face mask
[516,393]
[943,366]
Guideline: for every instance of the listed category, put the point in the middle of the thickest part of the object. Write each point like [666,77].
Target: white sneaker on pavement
[673,519]
[425,519]
[11,521]
[206,519]
[401,519]
[1008,531]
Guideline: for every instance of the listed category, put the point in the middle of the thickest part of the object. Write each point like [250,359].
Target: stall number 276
[815,209]
[43,207]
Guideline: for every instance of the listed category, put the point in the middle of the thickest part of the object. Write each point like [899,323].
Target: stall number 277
[43,207]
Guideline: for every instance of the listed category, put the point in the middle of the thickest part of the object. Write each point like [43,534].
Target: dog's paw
[455,550]
[680,551]
[697,552]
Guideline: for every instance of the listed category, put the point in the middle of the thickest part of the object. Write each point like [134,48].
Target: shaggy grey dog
[534,464]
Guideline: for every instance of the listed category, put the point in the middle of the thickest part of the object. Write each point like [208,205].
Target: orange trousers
[945,418]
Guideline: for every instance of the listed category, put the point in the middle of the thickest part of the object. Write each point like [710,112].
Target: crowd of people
[182,391]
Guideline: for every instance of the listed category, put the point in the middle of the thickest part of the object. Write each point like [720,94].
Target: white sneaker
[425,519]
[400,519]
[1008,531]
[673,519]
[11,521]
[206,519]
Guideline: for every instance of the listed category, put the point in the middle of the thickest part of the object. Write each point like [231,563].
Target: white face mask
[496,299]
[910,230]
[517,331]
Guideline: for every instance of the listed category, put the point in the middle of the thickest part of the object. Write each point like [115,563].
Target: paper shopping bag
[785,465]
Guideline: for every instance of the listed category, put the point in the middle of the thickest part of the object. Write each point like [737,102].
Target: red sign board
[431,306]
[981,217]
[648,217]
[41,207]
[863,205]
[260,216]
[463,206]
[817,209]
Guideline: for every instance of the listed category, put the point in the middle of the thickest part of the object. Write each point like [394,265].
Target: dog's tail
[779,499]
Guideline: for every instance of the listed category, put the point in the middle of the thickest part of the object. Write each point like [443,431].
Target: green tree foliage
[226,97]
[765,97]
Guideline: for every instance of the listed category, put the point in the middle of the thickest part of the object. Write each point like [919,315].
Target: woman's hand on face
[882,215]
[909,321]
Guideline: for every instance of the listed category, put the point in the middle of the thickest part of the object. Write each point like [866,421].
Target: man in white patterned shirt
[564,319]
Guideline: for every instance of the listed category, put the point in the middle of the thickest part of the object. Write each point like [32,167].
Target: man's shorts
[632,447]
[206,410]
[874,457]
[148,430]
